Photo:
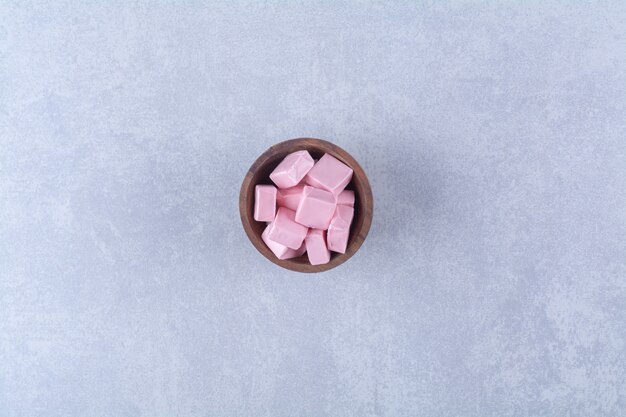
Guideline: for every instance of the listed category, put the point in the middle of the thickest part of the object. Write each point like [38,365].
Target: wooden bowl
[259,173]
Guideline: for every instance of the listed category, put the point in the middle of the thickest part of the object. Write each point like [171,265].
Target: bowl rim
[366,197]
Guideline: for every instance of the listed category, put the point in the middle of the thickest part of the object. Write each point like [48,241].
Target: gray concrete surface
[493,282]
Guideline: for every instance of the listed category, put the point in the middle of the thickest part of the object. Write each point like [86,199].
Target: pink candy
[289,197]
[329,174]
[316,247]
[316,208]
[264,203]
[285,230]
[346,198]
[339,229]
[281,251]
[310,211]
[292,169]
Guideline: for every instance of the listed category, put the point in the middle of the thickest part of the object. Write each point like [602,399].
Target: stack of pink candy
[314,211]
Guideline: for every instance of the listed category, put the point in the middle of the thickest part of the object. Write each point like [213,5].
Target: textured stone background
[493,282]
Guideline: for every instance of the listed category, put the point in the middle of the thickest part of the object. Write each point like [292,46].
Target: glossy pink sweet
[316,248]
[346,198]
[289,197]
[339,229]
[285,230]
[292,169]
[281,251]
[316,208]
[329,174]
[264,203]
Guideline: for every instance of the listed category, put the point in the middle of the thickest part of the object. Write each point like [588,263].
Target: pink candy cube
[316,208]
[264,203]
[316,247]
[292,169]
[289,197]
[346,198]
[329,174]
[281,251]
[285,230]
[339,229]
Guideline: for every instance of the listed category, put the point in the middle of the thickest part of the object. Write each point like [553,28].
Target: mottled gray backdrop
[493,282]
